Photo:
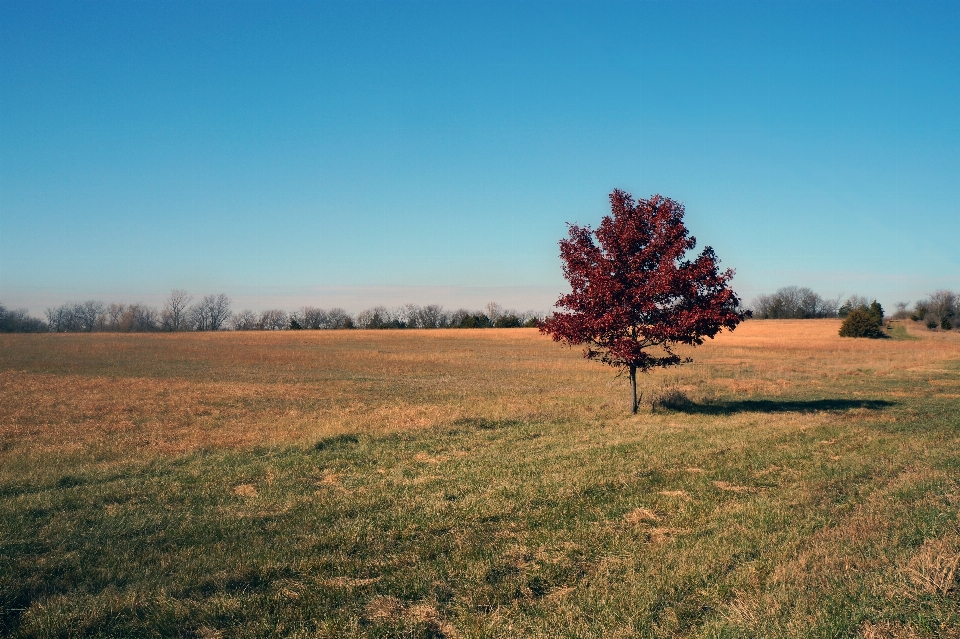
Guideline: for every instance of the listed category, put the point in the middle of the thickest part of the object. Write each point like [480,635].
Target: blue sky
[359,153]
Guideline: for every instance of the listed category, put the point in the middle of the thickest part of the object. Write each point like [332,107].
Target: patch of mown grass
[469,533]
[897,330]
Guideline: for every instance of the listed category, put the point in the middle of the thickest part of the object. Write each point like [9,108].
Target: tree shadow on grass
[683,405]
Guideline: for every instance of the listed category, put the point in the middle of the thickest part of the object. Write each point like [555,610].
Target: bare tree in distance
[115,314]
[432,316]
[337,318]
[245,320]
[174,314]
[211,312]
[273,320]
[313,318]
[793,302]
[494,311]
[91,315]
[140,318]
[942,309]
[57,318]
[85,317]
[377,317]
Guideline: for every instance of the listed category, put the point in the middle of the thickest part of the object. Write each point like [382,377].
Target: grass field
[484,483]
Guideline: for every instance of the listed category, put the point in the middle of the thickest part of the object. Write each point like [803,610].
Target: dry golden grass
[175,393]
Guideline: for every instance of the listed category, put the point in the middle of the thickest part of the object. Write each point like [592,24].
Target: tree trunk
[633,389]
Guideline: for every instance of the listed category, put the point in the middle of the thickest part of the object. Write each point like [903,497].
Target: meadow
[478,483]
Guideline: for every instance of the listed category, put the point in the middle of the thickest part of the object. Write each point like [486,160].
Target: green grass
[827,509]
[897,330]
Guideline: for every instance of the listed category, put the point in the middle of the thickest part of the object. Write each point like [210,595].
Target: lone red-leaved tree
[634,296]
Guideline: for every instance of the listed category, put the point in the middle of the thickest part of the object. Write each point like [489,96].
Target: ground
[478,483]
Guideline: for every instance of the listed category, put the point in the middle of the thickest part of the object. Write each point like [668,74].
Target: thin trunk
[633,389]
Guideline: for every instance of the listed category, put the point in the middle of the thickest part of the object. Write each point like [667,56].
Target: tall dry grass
[175,393]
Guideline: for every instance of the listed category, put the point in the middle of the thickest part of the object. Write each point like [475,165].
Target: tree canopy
[634,294]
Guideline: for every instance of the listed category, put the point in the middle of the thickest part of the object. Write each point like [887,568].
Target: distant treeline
[793,302]
[940,310]
[213,313]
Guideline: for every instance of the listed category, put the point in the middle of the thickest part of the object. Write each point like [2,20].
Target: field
[484,483]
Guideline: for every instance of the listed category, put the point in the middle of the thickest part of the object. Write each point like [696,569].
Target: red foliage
[633,291]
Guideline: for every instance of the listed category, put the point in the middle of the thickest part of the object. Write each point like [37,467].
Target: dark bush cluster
[864,321]
[940,310]
[433,316]
[19,321]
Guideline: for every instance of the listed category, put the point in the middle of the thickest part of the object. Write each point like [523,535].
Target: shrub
[920,311]
[474,320]
[860,322]
[941,309]
[508,321]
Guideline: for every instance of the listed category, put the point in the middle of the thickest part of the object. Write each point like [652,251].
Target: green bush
[508,321]
[475,320]
[860,322]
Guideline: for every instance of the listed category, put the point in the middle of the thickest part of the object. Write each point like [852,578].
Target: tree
[91,315]
[508,320]
[942,308]
[377,317]
[860,322]
[245,320]
[494,311]
[337,318]
[174,314]
[791,302]
[273,320]
[463,318]
[852,302]
[634,295]
[19,321]
[115,313]
[211,312]
[310,317]
[138,318]
[863,320]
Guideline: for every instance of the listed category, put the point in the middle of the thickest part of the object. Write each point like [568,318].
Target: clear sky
[358,153]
